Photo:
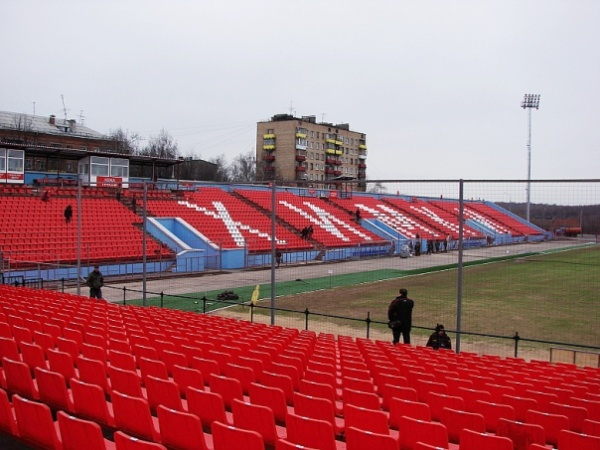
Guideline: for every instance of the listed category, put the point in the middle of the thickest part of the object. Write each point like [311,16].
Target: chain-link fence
[463,249]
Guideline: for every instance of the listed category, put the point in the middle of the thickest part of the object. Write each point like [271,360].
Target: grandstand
[77,373]
[35,231]
[208,227]
[226,220]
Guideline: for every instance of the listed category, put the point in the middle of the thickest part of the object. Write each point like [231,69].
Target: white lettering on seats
[326,221]
[234,227]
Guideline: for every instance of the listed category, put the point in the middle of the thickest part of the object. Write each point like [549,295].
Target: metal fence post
[124,295]
[306,313]
[368,323]
[516,337]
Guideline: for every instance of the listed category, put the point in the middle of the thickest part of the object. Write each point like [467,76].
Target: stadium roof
[46,125]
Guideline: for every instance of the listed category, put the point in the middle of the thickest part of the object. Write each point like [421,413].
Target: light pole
[529,101]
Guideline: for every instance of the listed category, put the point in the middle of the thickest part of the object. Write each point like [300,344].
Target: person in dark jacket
[400,317]
[68,213]
[95,281]
[439,339]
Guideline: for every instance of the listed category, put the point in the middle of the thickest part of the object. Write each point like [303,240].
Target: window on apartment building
[312,134]
[317,135]
[270,131]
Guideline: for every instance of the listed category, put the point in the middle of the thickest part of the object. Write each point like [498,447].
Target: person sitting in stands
[439,339]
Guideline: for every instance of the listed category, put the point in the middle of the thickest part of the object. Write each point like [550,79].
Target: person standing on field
[400,317]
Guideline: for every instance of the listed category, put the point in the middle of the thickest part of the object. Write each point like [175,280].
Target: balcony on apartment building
[300,155]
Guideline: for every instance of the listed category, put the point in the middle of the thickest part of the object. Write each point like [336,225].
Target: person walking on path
[400,317]
[95,281]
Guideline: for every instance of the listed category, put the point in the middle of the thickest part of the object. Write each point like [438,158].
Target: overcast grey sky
[435,85]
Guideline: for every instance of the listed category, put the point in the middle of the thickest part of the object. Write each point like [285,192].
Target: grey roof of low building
[41,124]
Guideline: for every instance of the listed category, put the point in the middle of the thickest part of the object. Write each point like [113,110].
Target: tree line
[191,167]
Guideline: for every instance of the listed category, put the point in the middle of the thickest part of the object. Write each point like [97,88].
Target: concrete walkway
[113,292]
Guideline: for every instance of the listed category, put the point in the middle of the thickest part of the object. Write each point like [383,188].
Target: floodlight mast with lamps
[529,102]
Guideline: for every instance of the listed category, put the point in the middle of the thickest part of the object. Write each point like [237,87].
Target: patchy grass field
[549,297]
[553,297]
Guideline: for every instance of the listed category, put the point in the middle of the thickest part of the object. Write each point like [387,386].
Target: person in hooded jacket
[439,339]
[400,317]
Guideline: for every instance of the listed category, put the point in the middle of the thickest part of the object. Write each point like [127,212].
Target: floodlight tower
[529,102]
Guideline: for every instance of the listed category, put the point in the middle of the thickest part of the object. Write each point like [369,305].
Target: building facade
[61,151]
[301,152]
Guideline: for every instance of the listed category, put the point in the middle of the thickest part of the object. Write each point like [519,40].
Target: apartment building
[301,152]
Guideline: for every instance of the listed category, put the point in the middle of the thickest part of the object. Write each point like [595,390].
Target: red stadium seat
[257,418]
[570,440]
[8,423]
[19,379]
[358,439]
[164,392]
[77,433]
[53,390]
[35,425]
[208,406]
[227,437]
[123,441]
[273,398]
[172,424]
[521,434]
[317,408]
[415,430]
[90,402]
[132,415]
[310,432]
[474,440]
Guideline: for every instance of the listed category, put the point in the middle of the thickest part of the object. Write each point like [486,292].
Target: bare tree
[377,188]
[22,122]
[222,173]
[125,142]
[243,167]
[22,126]
[161,146]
